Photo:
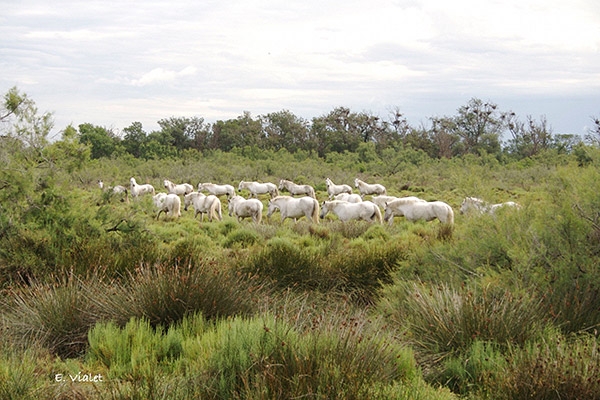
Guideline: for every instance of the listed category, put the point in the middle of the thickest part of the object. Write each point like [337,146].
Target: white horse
[414,210]
[115,190]
[333,189]
[295,189]
[365,210]
[138,190]
[182,188]
[291,207]
[366,188]
[210,205]
[349,197]
[243,208]
[474,203]
[257,188]
[170,204]
[217,190]
[381,200]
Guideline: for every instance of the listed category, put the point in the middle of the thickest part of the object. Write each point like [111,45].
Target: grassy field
[102,300]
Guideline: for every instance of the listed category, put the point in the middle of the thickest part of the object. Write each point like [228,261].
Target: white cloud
[215,58]
[161,75]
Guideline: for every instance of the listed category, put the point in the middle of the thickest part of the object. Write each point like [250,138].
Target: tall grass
[444,320]
[554,367]
[57,316]
[165,294]
[358,270]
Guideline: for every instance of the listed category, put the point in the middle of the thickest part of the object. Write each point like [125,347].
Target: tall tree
[528,138]
[284,130]
[340,130]
[103,141]
[183,132]
[479,125]
[444,137]
[237,133]
[21,120]
[24,136]
[134,139]
[593,134]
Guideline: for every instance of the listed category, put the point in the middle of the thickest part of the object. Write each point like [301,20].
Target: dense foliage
[497,306]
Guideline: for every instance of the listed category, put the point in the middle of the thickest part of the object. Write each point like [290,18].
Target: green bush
[137,349]
[57,316]
[265,358]
[288,265]
[166,294]
[241,237]
[444,320]
[358,271]
[18,378]
[553,367]
[472,371]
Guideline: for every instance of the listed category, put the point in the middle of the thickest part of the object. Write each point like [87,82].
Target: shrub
[444,320]
[166,294]
[137,348]
[472,371]
[555,367]
[288,265]
[18,378]
[241,237]
[265,358]
[57,316]
[365,268]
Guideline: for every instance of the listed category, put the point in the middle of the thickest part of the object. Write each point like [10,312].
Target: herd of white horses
[342,202]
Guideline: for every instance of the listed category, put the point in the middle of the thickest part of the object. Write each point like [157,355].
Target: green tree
[20,120]
[238,133]
[284,130]
[23,164]
[338,131]
[103,142]
[68,153]
[185,133]
[134,139]
[444,137]
[479,125]
[528,138]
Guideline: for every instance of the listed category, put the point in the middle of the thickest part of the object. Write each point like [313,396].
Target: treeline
[478,127]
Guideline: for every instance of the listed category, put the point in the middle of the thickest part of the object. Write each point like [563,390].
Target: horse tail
[450,216]
[312,193]
[377,214]
[176,207]
[315,211]
[218,208]
[258,216]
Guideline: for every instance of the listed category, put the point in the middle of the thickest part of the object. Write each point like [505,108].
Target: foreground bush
[444,320]
[256,358]
[553,366]
[57,316]
[166,294]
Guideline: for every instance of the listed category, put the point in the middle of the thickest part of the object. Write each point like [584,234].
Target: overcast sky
[111,62]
